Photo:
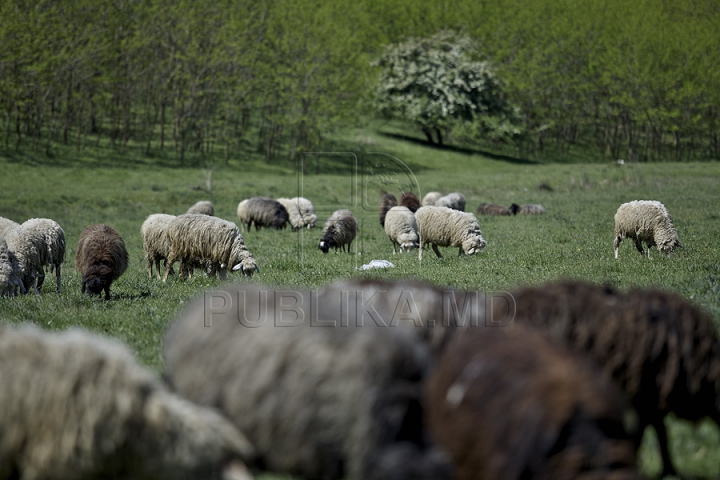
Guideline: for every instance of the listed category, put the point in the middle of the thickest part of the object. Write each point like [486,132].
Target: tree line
[623,80]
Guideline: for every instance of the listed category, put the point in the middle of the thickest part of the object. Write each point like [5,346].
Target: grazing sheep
[401,228]
[386,203]
[445,227]
[10,274]
[339,230]
[661,350]
[6,225]
[77,406]
[307,210]
[155,240]
[454,200]
[645,221]
[410,200]
[507,404]
[211,242]
[323,403]
[101,258]
[37,243]
[295,217]
[529,209]
[263,212]
[430,198]
[493,209]
[203,207]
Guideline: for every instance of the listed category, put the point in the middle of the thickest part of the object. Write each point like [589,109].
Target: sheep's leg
[348,247]
[437,252]
[668,469]
[40,279]
[150,267]
[394,252]
[168,264]
[420,250]
[616,244]
[460,252]
[57,278]
[107,292]
[638,245]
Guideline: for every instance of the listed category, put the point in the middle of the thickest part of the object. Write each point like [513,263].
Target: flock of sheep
[362,379]
[368,380]
[197,239]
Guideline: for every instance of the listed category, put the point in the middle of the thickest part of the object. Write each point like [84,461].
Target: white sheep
[645,221]
[339,230]
[527,209]
[155,240]
[295,216]
[307,210]
[79,406]
[401,228]
[454,200]
[203,207]
[37,243]
[211,241]
[10,275]
[445,227]
[6,225]
[430,198]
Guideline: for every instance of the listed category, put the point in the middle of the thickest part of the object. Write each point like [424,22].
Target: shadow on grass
[463,150]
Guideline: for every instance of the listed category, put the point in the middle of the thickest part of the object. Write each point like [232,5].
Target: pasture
[574,239]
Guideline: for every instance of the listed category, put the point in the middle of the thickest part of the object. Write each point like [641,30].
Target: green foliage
[434,83]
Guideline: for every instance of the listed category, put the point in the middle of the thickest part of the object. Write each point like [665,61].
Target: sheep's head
[473,243]
[670,245]
[324,246]
[247,267]
[514,208]
[96,279]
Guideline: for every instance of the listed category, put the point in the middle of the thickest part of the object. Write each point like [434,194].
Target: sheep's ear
[84,284]
[222,265]
[257,269]
[237,267]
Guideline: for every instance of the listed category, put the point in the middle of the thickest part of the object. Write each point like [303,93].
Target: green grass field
[573,240]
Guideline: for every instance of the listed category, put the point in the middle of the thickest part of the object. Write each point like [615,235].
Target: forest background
[590,79]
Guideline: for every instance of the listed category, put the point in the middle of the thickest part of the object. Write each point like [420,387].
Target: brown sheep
[507,404]
[661,350]
[410,200]
[101,258]
[386,203]
[493,209]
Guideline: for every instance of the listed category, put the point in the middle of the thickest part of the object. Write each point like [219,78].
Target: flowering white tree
[434,83]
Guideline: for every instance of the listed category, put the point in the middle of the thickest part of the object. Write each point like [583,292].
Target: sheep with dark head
[321,403]
[76,406]
[493,209]
[101,258]
[339,231]
[663,351]
[410,200]
[508,404]
[262,212]
[386,203]
[528,209]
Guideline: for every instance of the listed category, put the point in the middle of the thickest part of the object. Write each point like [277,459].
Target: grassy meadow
[574,239]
